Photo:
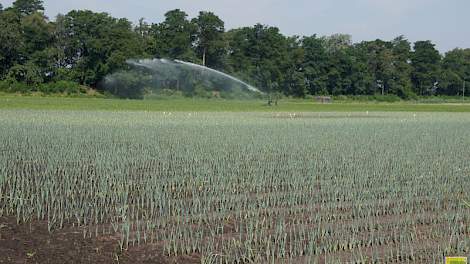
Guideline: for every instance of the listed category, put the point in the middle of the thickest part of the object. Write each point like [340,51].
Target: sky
[445,22]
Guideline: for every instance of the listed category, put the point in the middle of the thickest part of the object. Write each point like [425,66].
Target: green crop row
[246,187]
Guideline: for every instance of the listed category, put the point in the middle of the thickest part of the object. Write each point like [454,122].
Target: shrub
[66,87]
[386,98]
[28,73]
[341,98]
[13,86]
[202,91]
[126,85]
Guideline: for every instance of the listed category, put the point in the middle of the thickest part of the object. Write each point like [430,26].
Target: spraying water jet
[165,67]
[204,68]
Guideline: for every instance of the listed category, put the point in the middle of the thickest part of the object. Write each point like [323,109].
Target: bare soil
[32,243]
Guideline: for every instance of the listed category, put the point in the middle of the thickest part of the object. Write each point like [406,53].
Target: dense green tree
[147,41]
[401,82]
[34,43]
[293,72]
[28,7]
[96,45]
[450,83]
[28,73]
[380,64]
[175,36]
[260,53]
[60,46]
[388,64]
[361,79]
[455,71]
[315,65]
[295,84]
[209,40]
[238,48]
[11,41]
[426,63]
[37,33]
[458,61]
[85,47]
[341,76]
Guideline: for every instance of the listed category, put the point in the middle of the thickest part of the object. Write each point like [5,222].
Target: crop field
[260,187]
[219,105]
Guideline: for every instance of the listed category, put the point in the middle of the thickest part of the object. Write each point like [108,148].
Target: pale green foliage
[246,188]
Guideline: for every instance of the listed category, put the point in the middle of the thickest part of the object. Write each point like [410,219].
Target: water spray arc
[164,65]
[204,68]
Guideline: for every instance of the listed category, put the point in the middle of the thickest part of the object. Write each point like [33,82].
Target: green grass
[213,105]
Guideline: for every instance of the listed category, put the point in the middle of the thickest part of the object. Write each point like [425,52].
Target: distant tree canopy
[84,47]
[209,42]
[28,7]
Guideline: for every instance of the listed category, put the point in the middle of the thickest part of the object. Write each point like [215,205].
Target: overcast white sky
[445,22]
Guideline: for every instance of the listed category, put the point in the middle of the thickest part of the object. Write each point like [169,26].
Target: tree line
[81,47]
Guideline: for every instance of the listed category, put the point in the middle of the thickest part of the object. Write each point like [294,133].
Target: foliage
[97,44]
[425,61]
[28,74]
[37,34]
[260,53]
[62,87]
[174,36]
[28,7]
[209,40]
[11,41]
[13,86]
[85,47]
[126,85]
[201,91]
[455,71]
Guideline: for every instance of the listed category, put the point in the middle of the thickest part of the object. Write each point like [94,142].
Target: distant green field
[214,105]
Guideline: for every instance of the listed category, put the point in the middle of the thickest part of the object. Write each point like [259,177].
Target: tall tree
[315,65]
[11,41]
[360,79]
[96,45]
[84,46]
[38,38]
[343,73]
[37,33]
[175,36]
[295,82]
[426,62]
[28,7]
[380,63]
[401,82]
[259,53]
[147,42]
[455,71]
[209,38]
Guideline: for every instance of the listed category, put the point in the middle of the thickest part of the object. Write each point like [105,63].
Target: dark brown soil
[32,243]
